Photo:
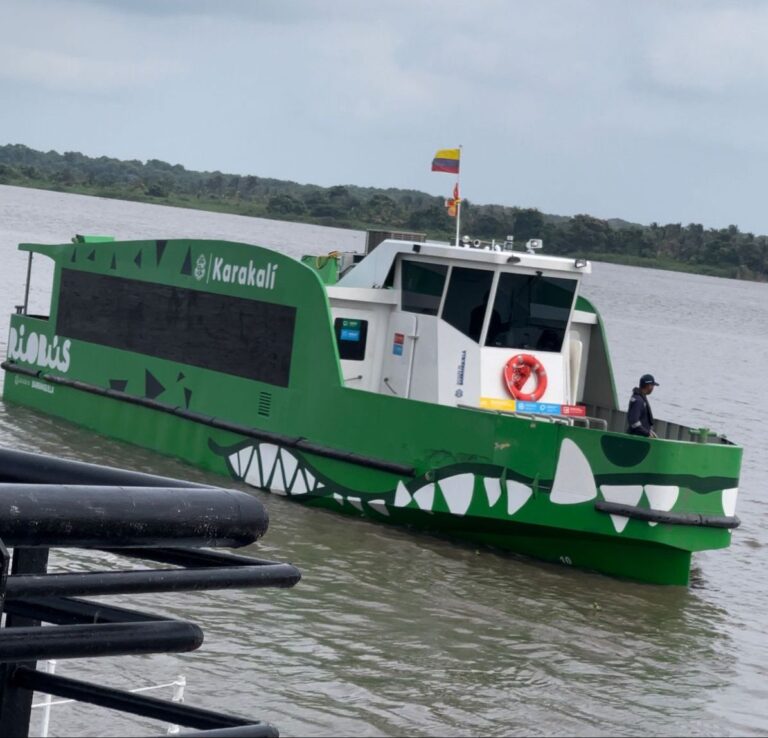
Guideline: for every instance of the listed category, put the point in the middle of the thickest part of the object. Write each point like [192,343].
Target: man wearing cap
[639,415]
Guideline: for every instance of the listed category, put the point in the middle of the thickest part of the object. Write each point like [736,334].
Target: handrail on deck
[588,421]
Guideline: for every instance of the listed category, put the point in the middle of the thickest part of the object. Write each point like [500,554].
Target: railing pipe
[139,582]
[136,704]
[30,468]
[86,516]
[104,639]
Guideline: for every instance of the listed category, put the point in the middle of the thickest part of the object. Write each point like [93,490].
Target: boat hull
[224,355]
[521,501]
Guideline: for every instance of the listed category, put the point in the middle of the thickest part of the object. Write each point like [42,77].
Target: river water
[391,633]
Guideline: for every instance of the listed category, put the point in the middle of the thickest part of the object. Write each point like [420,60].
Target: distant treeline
[724,252]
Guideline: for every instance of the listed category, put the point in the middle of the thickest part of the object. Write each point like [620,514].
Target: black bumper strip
[297,442]
[671,518]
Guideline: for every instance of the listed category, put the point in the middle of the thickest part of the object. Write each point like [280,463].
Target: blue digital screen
[351,338]
[350,334]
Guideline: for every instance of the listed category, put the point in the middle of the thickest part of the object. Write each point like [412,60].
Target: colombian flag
[446,160]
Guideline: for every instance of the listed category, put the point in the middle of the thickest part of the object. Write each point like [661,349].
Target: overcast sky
[641,109]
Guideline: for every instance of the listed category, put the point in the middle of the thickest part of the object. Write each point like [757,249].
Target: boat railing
[616,421]
[584,421]
[50,503]
[574,420]
[49,667]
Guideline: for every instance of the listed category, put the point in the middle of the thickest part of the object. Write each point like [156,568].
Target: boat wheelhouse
[464,390]
[446,324]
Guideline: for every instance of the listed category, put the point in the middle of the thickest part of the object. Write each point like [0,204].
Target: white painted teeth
[729,501]
[269,466]
[628,494]
[300,486]
[425,497]
[380,506]
[661,497]
[574,481]
[492,490]
[261,465]
[289,464]
[242,459]
[457,492]
[402,496]
[517,495]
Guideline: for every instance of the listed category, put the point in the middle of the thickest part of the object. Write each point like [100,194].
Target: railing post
[178,696]
[16,703]
[50,668]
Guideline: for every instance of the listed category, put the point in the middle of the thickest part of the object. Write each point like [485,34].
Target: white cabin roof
[372,271]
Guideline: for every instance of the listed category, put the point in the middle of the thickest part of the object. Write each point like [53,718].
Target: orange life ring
[516,372]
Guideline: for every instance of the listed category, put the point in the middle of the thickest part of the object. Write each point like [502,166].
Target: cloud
[636,110]
[712,51]
[53,47]
[81,72]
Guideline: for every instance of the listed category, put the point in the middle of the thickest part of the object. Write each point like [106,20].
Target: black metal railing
[47,502]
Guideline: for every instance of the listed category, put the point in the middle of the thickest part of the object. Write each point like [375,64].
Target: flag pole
[458,204]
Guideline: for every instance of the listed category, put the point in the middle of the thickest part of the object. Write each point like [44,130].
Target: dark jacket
[639,415]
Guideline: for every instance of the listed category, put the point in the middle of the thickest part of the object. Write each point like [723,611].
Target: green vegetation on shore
[725,252]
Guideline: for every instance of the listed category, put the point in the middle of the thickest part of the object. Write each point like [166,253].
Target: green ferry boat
[464,390]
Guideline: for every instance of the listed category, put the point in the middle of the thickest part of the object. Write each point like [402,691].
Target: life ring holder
[516,372]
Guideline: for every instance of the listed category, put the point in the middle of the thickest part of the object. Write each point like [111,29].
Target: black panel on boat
[351,338]
[233,335]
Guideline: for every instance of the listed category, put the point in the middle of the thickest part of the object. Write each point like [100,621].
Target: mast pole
[458,204]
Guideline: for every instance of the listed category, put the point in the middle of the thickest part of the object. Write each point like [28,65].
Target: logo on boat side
[200,267]
[35,348]
[460,370]
[219,270]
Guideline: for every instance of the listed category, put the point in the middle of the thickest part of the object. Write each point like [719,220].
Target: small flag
[446,160]
[452,204]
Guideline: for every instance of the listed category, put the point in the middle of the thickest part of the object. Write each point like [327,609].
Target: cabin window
[533,312]
[351,337]
[389,282]
[232,335]
[422,286]
[467,300]
[37,295]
